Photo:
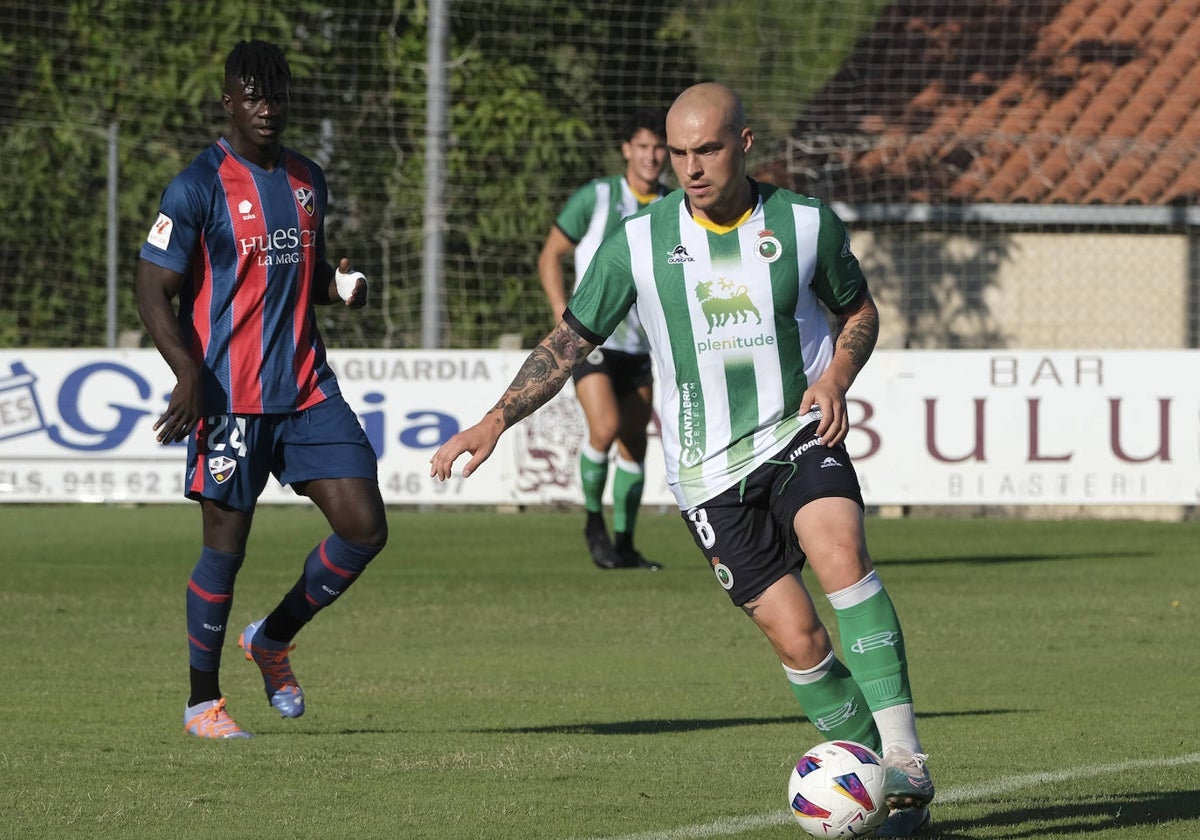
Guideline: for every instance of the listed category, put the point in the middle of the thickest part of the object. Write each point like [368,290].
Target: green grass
[483,680]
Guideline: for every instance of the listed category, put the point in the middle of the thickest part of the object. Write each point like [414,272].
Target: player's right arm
[555,251]
[156,288]
[542,375]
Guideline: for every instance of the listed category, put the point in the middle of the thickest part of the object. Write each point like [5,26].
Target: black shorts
[628,371]
[746,531]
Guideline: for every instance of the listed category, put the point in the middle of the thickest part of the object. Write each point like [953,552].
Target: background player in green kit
[615,384]
[732,280]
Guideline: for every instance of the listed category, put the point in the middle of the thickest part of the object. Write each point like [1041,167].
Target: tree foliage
[73,70]
[536,93]
[777,57]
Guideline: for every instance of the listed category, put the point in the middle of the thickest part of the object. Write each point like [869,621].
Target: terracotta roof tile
[1148,186]
[1115,184]
[1135,24]
[1191,174]
[1172,20]
[1059,101]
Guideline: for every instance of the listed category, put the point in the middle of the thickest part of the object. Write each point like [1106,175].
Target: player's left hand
[351,285]
[831,401]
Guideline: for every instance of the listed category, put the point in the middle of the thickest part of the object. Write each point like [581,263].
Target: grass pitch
[483,680]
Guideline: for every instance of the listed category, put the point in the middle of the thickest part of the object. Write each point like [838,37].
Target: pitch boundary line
[964,793]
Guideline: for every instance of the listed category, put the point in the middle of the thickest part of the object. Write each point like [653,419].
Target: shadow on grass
[1079,817]
[668,726]
[996,559]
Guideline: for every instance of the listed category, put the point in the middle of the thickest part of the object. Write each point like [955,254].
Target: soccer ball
[836,790]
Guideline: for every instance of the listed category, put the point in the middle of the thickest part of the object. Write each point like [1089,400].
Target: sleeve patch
[160,233]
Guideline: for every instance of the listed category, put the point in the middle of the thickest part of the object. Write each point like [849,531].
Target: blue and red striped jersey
[247,241]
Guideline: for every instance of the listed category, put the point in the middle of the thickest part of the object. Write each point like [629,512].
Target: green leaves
[536,92]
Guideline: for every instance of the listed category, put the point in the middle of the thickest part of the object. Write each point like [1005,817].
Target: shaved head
[712,97]
[707,140]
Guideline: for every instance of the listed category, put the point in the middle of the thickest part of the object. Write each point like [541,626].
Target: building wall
[940,289]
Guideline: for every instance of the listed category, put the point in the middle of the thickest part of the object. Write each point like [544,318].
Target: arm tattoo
[859,335]
[543,374]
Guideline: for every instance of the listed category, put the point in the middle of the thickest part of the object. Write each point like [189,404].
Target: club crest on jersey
[768,248]
[221,468]
[306,200]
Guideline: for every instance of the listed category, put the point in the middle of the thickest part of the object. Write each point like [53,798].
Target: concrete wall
[1028,290]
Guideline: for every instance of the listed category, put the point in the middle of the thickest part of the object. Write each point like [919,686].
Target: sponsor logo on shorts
[830,461]
[221,468]
[875,641]
[804,447]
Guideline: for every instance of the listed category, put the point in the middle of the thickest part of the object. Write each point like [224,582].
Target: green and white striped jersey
[590,214]
[735,324]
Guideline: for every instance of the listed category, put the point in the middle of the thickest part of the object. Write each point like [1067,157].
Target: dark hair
[647,118]
[261,64]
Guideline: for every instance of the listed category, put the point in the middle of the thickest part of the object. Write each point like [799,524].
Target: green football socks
[628,481]
[872,643]
[593,473]
[834,703]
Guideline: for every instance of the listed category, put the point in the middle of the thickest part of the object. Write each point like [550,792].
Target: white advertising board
[930,427]
[1029,427]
